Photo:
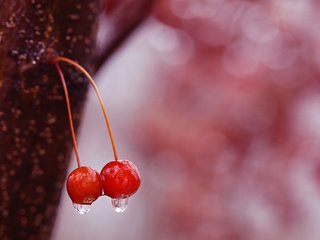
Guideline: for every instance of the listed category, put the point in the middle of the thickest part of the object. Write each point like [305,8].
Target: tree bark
[35,141]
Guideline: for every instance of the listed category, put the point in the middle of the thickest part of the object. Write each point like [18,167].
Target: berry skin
[120,179]
[84,185]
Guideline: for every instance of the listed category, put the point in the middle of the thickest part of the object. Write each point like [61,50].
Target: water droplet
[120,204]
[81,208]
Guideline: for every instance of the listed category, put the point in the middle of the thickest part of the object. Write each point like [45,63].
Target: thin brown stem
[69,111]
[81,69]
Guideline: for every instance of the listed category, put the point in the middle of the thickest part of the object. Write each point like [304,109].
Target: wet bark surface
[35,141]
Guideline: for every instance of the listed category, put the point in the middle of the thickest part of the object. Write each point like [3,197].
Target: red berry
[120,179]
[84,185]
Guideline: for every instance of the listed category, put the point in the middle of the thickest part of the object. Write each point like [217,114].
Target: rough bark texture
[34,135]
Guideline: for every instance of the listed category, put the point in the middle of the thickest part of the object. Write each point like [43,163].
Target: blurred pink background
[218,104]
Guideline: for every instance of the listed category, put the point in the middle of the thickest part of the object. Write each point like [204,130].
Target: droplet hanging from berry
[120,204]
[81,208]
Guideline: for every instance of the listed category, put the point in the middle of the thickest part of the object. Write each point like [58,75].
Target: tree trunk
[35,141]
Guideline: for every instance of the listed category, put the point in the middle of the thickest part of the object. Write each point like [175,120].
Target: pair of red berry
[118,180]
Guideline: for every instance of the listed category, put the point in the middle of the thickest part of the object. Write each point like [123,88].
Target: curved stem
[74,141]
[81,69]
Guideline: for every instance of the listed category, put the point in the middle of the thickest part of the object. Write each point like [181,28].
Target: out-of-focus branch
[126,17]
